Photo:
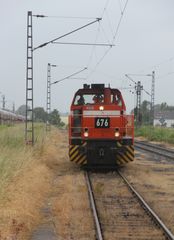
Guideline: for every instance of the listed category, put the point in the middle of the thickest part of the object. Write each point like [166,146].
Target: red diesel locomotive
[100,132]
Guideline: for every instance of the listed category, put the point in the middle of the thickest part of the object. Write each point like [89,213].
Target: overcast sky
[145,42]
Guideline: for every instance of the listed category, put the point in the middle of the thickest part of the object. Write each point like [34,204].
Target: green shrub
[159,134]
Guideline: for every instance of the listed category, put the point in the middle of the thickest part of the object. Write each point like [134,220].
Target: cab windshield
[85,99]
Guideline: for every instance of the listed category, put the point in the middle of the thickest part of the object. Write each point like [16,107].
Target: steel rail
[147,207]
[145,143]
[93,207]
[155,149]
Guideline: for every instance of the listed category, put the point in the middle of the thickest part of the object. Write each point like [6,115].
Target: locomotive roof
[96,88]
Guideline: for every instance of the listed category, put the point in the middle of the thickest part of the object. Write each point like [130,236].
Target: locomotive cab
[100,133]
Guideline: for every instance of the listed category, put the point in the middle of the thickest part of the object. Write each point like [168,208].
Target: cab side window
[79,100]
[116,99]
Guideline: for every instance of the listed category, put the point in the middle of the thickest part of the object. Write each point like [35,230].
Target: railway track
[120,212]
[98,228]
[153,148]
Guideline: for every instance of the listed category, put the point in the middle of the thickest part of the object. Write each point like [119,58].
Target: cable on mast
[73,31]
[69,76]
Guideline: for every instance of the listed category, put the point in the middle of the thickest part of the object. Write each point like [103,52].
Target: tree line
[40,115]
[145,110]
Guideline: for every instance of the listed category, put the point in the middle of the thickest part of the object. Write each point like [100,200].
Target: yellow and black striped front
[77,155]
[125,154]
[101,153]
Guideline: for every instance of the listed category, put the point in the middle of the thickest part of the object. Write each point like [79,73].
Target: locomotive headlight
[86,134]
[101,108]
[117,134]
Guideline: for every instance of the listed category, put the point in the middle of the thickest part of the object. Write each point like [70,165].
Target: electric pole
[152,98]
[13,107]
[138,89]
[48,126]
[3,102]
[29,125]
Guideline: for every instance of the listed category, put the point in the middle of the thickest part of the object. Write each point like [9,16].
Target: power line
[161,63]
[105,7]
[167,74]
[55,39]
[63,17]
[127,75]
[140,75]
[98,63]
[79,78]
[97,34]
[147,92]
[69,76]
[119,2]
[119,23]
[85,44]
[109,23]
[114,37]
[125,88]
[104,34]
[70,66]
[93,48]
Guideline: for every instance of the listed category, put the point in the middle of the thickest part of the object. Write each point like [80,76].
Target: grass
[40,177]
[159,134]
[11,136]
[14,153]
[24,180]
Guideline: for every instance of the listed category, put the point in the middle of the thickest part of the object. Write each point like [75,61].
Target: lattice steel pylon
[152,97]
[29,125]
[48,125]
[138,88]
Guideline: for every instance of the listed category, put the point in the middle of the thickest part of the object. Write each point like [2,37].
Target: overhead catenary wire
[105,35]
[125,88]
[63,17]
[109,23]
[97,34]
[119,3]
[105,7]
[113,40]
[147,92]
[165,75]
[98,19]
[139,75]
[119,23]
[98,63]
[64,35]
[85,44]
[108,75]
[69,76]
[127,75]
[159,64]
[70,66]
[77,78]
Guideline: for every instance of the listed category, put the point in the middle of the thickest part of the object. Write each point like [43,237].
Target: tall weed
[14,154]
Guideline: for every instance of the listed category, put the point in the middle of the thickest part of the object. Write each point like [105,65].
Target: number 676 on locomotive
[100,132]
